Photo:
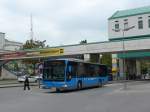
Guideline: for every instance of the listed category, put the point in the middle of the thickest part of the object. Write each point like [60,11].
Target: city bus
[68,74]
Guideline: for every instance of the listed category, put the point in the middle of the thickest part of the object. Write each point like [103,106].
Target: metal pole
[123,52]
[39,75]
[124,74]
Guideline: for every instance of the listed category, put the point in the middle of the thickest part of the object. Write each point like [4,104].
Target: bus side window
[103,70]
[91,70]
[69,72]
[96,71]
[72,68]
[81,71]
[86,70]
[100,71]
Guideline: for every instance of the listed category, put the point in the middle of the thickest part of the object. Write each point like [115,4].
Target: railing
[9,66]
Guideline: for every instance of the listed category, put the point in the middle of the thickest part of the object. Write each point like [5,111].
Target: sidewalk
[119,81]
[16,85]
[3,82]
[13,83]
[122,81]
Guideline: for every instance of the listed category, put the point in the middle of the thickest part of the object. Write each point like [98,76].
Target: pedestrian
[26,83]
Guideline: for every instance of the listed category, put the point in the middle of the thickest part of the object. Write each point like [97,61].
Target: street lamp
[124,74]
[123,52]
[100,60]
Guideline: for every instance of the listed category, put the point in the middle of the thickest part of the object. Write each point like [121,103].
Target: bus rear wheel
[79,86]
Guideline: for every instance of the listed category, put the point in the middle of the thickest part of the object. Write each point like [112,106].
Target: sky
[60,22]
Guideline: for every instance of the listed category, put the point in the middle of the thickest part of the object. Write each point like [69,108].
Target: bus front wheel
[58,90]
[79,86]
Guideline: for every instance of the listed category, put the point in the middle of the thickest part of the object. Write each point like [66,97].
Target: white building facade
[7,46]
[136,21]
[130,25]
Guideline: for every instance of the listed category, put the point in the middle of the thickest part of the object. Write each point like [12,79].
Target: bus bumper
[58,85]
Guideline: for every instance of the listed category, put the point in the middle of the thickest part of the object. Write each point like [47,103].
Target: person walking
[26,83]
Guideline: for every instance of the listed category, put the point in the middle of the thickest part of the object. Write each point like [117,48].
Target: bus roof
[67,59]
[75,60]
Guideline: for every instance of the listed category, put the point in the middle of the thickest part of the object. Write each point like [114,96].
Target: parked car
[147,76]
[38,77]
[31,79]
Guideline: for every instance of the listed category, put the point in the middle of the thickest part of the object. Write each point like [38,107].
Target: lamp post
[100,59]
[123,68]
[123,52]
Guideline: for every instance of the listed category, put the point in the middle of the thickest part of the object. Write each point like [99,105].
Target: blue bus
[68,74]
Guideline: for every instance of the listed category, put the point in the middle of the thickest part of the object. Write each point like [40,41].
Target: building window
[125,20]
[126,25]
[139,17]
[140,24]
[149,23]
[117,26]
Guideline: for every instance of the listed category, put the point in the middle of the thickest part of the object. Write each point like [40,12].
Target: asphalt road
[111,98]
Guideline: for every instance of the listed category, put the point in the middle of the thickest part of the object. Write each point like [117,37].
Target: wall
[132,21]
[12,45]
[109,46]
[2,40]
[12,48]
[7,75]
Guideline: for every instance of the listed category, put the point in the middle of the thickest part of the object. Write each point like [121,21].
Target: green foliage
[106,59]
[83,42]
[29,44]
[145,66]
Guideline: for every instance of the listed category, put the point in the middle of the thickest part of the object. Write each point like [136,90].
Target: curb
[7,83]
[9,86]
[119,81]
[122,81]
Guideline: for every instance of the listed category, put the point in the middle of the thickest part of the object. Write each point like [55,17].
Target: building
[136,19]
[129,44]
[7,46]
[129,25]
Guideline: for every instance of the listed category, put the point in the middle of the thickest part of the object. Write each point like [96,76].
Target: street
[110,98]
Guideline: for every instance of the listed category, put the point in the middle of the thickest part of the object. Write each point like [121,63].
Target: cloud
[60,21]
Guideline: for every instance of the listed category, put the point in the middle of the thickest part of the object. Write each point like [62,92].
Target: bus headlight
[65,85]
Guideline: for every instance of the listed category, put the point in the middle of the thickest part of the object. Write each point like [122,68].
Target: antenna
[31,29]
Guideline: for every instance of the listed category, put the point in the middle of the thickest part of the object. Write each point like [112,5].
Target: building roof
[131,12]
[15,42]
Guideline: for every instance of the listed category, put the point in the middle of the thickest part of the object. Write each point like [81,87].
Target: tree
[29,44]
[106,59]
[83,41]
[40,44]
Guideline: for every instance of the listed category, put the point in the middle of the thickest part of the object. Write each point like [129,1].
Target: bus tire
[100,84]
[79,85]
[58,90]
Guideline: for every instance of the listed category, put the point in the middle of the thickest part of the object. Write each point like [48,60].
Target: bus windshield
[54,70]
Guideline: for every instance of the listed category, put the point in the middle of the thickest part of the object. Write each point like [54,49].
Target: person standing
[26,83]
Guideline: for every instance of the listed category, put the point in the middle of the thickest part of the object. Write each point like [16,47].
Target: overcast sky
[60,22]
